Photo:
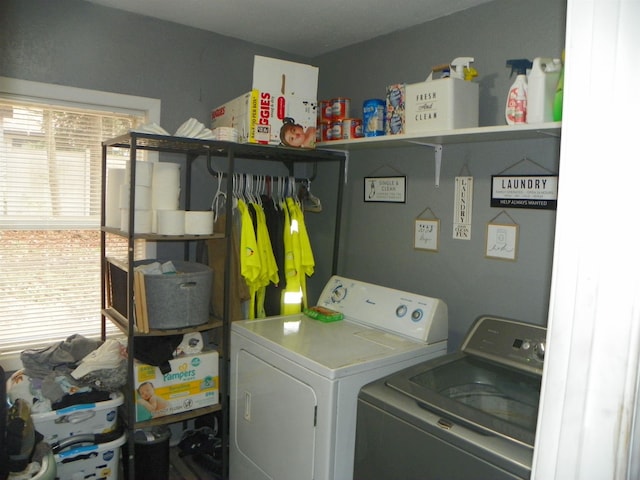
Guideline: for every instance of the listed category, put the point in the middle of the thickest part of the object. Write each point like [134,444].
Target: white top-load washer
[295,380]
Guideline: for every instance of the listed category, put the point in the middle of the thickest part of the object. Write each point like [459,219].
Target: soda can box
[442,104]
[192,383]
[80,419]
[395,109]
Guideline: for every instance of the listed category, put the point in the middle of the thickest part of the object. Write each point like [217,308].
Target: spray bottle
[516,108]
[461,68]
[559,96]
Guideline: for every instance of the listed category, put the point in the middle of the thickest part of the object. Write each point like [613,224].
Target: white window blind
[50,190]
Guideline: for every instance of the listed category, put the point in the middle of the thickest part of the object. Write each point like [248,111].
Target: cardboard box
[283,93]
[442,104]
[192,383]
[395,109]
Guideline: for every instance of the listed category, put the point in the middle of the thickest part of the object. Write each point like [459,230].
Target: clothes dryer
[295,380]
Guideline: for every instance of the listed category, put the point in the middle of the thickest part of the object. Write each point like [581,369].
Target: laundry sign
[524,191]
[462,208]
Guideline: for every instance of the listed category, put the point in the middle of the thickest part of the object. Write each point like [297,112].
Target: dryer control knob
[539,350]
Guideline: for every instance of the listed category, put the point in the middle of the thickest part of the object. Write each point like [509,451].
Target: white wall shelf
[447,137]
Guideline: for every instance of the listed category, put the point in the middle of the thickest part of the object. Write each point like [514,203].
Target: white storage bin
[100,417]
[95,460]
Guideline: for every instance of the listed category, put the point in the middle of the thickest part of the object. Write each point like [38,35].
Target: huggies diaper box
[192,383]
[281,108]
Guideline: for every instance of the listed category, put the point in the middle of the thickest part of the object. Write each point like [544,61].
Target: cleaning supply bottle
[516,108]
[541,88]
[559,97]
[461,68]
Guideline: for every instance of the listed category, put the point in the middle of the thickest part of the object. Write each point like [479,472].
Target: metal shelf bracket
[437,149]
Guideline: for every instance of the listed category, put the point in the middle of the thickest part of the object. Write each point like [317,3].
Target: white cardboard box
[192,383]
[281,90]
[442,104]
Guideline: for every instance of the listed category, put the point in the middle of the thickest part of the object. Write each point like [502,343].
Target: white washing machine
[295,380]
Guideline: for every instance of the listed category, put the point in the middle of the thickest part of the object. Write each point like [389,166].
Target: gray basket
[178,300]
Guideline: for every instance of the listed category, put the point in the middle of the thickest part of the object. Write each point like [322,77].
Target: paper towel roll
[166,186]
[143,197]
[198,223]
[170,222]
[115,179]
[144,173]
[142,221]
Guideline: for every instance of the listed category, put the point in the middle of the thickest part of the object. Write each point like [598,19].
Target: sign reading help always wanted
[524,191]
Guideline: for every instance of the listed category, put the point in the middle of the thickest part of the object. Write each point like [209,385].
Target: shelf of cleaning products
[449,137]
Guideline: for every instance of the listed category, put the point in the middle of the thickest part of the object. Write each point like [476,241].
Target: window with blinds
[50,191]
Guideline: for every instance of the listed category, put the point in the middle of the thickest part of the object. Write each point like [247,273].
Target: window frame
[60,95]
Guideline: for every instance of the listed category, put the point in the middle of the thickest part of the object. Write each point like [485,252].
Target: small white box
[83,418]
[442,104]
[95,460]
[192,383]
[282,93]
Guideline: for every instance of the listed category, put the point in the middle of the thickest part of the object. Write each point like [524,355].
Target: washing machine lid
[491,384]
[335,349]
[482,395]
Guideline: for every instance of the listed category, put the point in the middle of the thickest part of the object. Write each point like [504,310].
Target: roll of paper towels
[170,222]
[198,223]
[166,186]
[144,173]
[115,180]
[142,200]
[141,222]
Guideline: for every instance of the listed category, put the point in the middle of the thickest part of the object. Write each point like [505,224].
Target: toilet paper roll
[165,198]
[198,223]
[142,200]
[166,186]
[144,173]
[141,223]
[170,222]
[115,179]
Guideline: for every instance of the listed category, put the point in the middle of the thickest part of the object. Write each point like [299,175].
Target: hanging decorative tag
[426,232]
[502,238]
[462,208]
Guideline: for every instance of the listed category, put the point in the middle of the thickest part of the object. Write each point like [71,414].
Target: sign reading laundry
[524,191]
[385,189]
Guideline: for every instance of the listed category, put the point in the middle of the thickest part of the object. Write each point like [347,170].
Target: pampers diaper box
[283,95]
[192,383]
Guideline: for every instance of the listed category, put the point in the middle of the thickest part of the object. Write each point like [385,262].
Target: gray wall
[377,244]
[75,43]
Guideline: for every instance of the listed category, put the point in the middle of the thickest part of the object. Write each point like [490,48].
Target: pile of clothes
[76,370]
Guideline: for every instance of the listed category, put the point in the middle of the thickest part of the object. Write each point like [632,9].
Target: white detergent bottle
[542,82]
[516,108]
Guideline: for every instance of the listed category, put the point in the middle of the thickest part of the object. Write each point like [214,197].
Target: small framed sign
[524,191]
[426,234]
[502,241]
[385,189]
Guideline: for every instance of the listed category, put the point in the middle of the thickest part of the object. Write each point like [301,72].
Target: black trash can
[151,453]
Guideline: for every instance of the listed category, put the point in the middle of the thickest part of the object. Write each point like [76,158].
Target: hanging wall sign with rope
[524,191]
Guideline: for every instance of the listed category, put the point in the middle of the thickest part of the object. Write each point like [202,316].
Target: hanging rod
[215,173]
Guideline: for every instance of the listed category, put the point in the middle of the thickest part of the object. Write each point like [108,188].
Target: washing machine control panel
[509,342]
[416,316]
